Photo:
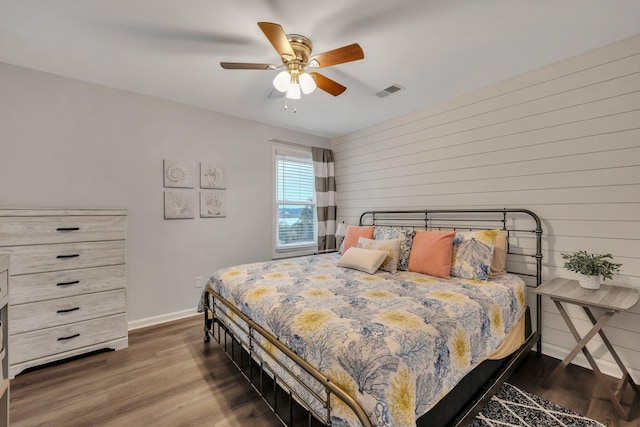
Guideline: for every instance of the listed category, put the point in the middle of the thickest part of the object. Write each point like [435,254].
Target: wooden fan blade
[328,85]
[246,66]
[353,52]
[276,35]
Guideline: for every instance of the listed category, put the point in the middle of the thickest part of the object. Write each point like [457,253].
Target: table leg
[582,341]
[581,345]
[615,396]
[607,343]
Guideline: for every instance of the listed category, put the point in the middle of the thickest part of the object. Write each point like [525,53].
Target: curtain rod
[295,144]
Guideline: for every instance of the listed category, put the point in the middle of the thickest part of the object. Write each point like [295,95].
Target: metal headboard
[509,220]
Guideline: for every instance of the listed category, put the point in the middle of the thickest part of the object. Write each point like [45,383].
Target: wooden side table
[612,299]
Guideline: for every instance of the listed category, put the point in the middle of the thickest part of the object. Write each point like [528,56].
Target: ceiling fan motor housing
[302,47]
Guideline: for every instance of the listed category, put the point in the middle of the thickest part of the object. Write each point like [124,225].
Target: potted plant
[591,267]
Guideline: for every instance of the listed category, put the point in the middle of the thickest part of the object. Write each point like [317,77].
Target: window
[295,206]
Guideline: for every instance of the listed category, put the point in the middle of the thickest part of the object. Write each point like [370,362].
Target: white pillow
[391,247]
[367,260]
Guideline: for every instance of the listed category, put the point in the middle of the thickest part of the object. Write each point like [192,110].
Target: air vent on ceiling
[388,91]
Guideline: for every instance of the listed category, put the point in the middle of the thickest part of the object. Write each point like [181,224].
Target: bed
[328,345]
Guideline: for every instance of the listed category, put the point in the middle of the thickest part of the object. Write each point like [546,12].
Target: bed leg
[207,322]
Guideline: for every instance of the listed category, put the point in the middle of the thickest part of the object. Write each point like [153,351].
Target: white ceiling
[436,49]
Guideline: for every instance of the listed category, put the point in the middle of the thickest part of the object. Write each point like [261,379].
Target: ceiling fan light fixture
[293,92]
[282,81]
[307,83]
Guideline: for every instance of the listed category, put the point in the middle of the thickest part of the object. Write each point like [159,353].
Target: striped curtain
[324,170]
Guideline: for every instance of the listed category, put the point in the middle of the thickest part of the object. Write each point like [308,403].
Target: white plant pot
[589,282]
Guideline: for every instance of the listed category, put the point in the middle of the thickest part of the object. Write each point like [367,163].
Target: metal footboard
[250,343]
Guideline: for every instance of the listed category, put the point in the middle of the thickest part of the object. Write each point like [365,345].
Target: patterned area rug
[511,406]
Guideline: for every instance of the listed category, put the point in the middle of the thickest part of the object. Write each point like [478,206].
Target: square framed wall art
[212,176]
[179,174]
[178,205]
[213,204]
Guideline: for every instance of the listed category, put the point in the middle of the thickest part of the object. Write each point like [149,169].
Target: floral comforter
[397,343]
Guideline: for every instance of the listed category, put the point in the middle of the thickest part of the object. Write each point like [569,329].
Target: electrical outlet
[199,282]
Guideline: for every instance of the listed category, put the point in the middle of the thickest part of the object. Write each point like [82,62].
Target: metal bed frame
[249,355]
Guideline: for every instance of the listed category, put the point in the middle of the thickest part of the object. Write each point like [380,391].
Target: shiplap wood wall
[563,141]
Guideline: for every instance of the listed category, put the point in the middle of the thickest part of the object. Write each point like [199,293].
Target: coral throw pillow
[353,234]
[431,253]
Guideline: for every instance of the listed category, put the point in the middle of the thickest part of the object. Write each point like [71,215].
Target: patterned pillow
[472,253]
[392,247]
[406,237]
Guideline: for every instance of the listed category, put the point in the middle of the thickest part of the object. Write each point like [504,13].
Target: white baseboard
[156,320]
[606,367]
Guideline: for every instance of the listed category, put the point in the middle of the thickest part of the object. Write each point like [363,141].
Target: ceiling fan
[295,53]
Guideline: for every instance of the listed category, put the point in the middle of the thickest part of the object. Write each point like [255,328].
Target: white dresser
[68,283]
[4,336]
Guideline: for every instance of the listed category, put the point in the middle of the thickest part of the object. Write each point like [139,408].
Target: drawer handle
[67,228]
[68,310]
[69,337]
[75,282]
[68,256]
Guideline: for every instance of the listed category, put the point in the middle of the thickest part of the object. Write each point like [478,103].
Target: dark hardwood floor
[169,377]
[574,388]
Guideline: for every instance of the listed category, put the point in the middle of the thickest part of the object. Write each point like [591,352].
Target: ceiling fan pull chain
[286,106]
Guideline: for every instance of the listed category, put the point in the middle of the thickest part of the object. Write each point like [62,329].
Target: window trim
[293,250]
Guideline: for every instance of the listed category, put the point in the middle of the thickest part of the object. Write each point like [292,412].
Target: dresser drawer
[47,342]
[61,284]
[56,312]
[60,229]
[66,256]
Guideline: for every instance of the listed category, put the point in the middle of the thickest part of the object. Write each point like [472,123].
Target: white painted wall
[563,141]
[70,144]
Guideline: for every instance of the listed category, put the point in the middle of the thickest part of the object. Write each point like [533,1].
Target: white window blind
[295,213]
